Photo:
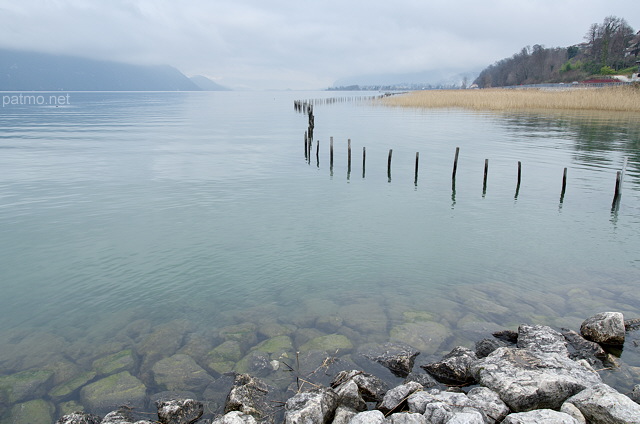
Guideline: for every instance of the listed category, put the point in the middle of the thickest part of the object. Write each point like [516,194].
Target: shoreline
[615,99]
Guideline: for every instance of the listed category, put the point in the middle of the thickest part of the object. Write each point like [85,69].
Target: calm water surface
[201,207]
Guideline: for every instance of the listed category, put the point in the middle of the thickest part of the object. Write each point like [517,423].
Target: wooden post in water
[415,181]
[455,164]
[364,159]
[564,184]
[486,172]
[389,164]
[349,155]
[616,194]
[318,153]
[306,147]
[519,179]
[331,152]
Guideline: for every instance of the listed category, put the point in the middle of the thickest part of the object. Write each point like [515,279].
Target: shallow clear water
[201,206]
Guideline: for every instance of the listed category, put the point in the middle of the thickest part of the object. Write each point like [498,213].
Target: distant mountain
[30,71]
[414,80]
[206,84]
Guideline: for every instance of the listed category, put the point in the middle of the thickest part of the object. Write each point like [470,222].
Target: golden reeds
[626,98]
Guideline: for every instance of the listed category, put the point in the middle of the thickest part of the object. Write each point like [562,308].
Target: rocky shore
[533,375]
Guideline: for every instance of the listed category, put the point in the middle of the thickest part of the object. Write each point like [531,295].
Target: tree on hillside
[608,42]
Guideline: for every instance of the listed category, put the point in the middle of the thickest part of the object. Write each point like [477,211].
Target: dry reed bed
[604,99]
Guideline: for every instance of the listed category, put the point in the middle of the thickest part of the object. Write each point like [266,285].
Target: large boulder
[454,367]
[184,411]
[542,339]
[603,404]
[527,380]
[251,396]
[581,348]
[369,417]
[79,418]
[115,363]
[370,387]
[396,357]
[540,416]
[605,327]
[235,417]
[314,407]
[407,418]
[112,392]
[395,398]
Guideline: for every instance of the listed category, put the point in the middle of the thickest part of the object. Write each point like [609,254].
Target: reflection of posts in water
[415,181]
[306,147]
[455,164]
[364,159]
[519,179]
[389,165]
[453,193]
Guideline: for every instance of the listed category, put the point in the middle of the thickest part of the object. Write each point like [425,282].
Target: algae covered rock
[180,372]
[37,411]
[426,336]
[66,389]
[329,343]
[68,408]
[222,358]
[275,345]
[111,392]
[246,334]
[24,385]
[115,363]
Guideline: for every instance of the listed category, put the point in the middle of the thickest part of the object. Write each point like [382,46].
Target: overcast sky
[301,44]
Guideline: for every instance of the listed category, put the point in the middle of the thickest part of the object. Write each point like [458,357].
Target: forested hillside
[609,48]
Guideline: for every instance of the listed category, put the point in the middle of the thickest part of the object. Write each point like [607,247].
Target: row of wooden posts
[306,107]
[308,152]
[303,106]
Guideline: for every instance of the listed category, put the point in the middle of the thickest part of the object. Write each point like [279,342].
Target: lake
[126,215]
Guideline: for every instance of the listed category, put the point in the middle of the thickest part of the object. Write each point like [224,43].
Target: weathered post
[306,147]
[486,172]
[519,179]
[455,164]
[564,184]
[331,153]
[364,159]
[415,181]
[349,155]
[389,164]
[616,193]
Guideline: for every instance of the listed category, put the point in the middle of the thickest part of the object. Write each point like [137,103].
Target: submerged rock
[37,411]
[66,389]
[181,372]
[223,357]
[330,343]
[605,327]
[426,336]
[115,363]
[112,392]
[24,385]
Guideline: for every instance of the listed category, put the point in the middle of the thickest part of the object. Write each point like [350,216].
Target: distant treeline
[609,48]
